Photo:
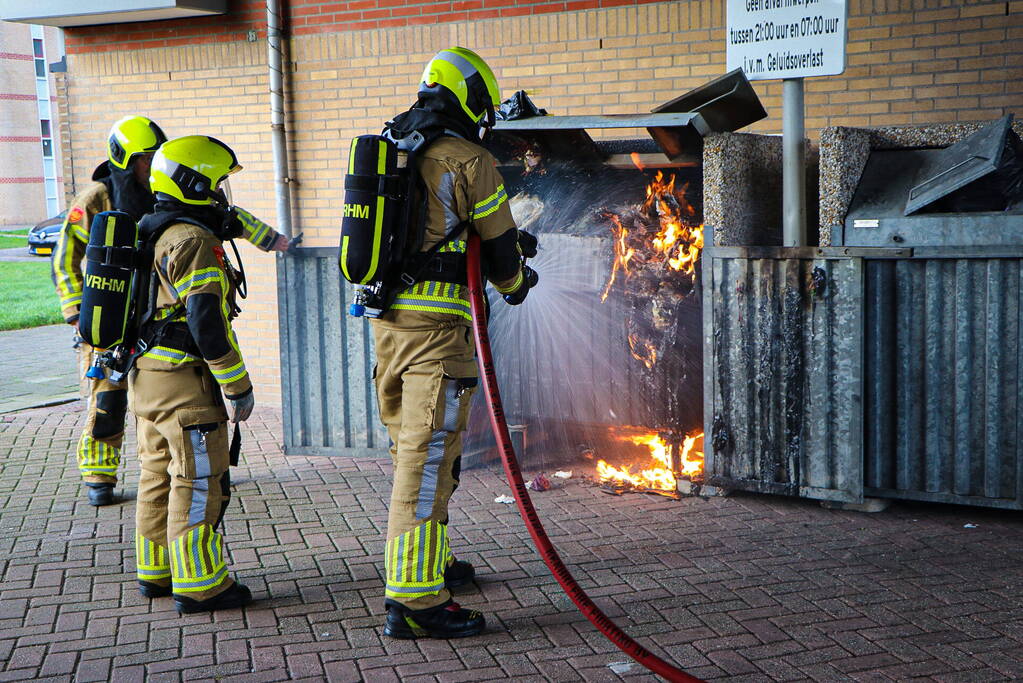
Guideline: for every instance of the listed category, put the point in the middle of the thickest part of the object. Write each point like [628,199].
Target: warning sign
[786,38]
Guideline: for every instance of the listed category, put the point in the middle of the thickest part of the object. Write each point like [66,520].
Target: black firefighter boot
[235,596]
[458,574]
[151,590]
[443,621]
[100,494]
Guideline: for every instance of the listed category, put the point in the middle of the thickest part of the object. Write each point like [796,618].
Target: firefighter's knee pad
[111,407]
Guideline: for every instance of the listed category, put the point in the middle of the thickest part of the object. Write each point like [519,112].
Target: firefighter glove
[529,280]
[527,244]
[241,407]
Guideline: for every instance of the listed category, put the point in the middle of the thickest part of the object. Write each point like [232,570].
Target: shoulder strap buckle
[411,142]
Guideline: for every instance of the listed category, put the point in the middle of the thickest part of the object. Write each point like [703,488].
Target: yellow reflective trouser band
[96,457]
[197,560]
[436,297]
[415,561]
[151,560]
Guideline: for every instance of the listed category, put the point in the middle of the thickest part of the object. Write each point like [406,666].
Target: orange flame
[642,351]
[677,242]
[677,245]
[623,253]
[656,475]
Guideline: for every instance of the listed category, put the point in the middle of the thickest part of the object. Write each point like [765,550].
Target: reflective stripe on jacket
[462,184]
[71,243]
[189,262]
[74,237]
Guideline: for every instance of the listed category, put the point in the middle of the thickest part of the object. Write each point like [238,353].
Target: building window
[47,130]
[40,57]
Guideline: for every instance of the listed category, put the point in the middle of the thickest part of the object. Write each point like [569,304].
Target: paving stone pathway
[38,366]
[746,588]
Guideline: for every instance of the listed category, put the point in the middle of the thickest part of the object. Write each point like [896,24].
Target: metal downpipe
[278,132]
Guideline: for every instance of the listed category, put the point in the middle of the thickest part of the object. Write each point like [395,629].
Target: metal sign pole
[793,162]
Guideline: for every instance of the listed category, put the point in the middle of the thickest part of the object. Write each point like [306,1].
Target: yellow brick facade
[904,66]
[22,171]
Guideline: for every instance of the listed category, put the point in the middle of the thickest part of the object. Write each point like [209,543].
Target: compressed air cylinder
[109,270]
[372,209]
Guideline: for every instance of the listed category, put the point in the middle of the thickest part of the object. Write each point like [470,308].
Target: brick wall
[909,61]
[22,198]
[22,190]
[317,16]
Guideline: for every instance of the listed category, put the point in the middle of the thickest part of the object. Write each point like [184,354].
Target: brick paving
[38,366]
[746,588]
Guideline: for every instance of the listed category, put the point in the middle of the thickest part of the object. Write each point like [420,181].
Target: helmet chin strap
[488,121]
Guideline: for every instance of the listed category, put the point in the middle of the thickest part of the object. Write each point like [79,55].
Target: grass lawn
[15,239]
[27,297]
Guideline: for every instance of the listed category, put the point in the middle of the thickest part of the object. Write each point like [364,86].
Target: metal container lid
[947,170]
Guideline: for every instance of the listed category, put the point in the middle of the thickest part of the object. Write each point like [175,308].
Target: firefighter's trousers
[184,485]
[99,448]
[424,380]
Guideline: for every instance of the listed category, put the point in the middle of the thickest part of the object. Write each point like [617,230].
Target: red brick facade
[316,16]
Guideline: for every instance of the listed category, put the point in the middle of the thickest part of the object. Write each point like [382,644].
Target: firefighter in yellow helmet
[122,184]
[177,391]
[426,371]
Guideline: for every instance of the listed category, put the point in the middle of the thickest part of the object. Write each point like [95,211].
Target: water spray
[522,500]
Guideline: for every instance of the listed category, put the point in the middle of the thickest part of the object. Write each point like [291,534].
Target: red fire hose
[511,469]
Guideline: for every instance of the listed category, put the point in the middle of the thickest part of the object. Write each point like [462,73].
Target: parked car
[42,239]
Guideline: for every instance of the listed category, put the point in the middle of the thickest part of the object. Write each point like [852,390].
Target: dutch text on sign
[786,38]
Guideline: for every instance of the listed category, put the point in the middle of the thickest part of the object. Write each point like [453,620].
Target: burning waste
[610,343]
[657,241]
[656,246]
[669,457]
